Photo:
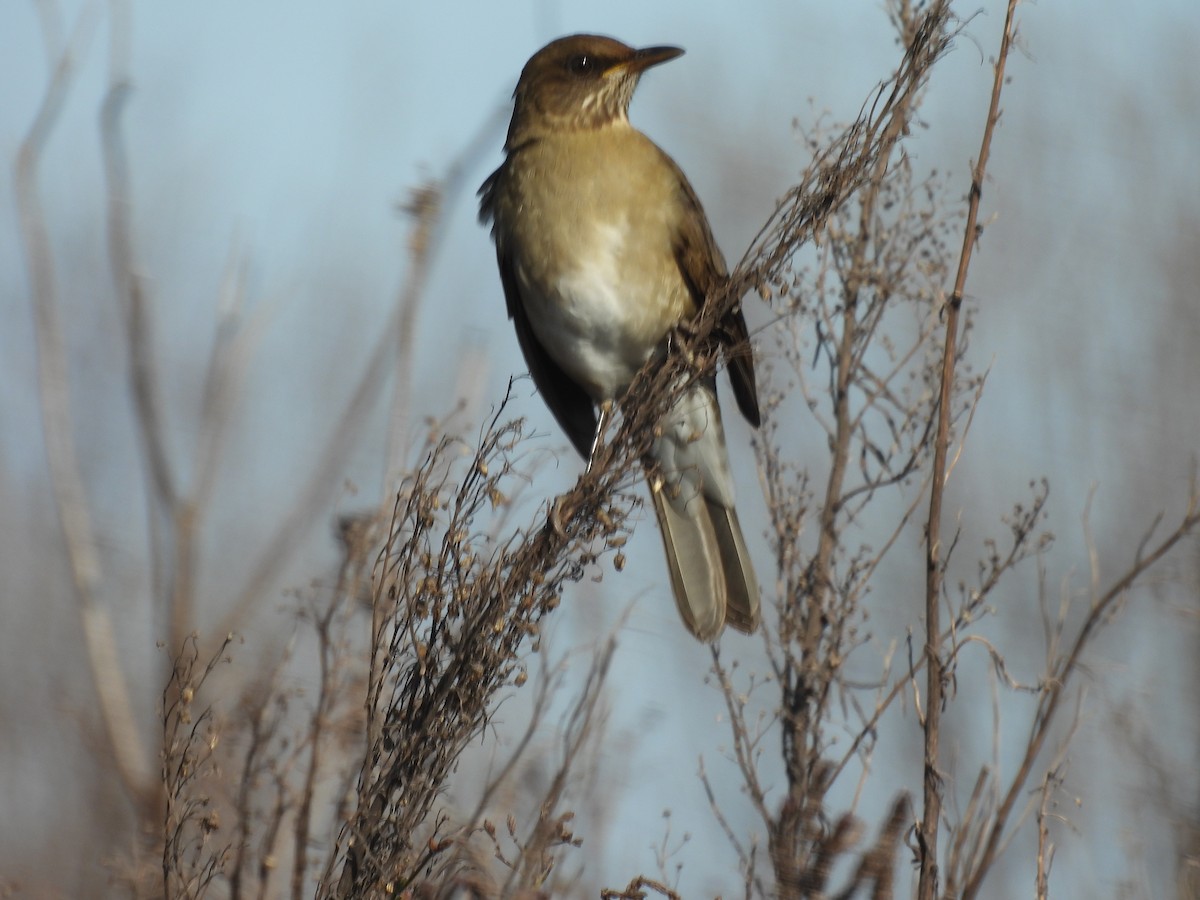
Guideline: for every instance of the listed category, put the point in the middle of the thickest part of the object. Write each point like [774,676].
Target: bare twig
[636,890]
[551,827]
[927,887]
[136,307]
[1045,851]
[879,438]
[192,858]
[425,206]
[1057,679]
[70,494]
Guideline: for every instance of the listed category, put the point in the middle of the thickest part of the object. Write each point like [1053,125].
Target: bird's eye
[581,64]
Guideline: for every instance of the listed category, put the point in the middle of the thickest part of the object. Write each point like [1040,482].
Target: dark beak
[648,56]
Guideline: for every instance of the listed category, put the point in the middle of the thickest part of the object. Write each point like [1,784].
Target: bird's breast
[593,256]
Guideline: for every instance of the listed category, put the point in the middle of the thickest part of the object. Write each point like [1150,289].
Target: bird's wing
[739,356]
[703,269]
[570,404]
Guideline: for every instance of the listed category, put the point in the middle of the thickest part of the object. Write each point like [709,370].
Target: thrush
[604,250]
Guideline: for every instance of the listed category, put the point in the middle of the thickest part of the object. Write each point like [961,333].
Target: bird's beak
[643,59]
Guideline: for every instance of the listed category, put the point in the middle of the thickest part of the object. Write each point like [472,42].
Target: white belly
[600,318]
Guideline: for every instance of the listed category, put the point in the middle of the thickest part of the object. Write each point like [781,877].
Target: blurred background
[272,145]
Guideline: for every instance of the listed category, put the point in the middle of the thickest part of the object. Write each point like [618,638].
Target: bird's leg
[677,340]
[681,339]
[601,424]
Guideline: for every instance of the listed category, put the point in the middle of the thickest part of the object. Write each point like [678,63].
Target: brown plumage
[603,248]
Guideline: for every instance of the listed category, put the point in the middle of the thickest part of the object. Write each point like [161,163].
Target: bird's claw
[680,339]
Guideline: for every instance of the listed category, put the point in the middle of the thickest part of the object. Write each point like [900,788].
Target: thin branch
[636,890]
[426,206]
[323,483]
[927,887]
[1060,675]
[135,306]
[70,494]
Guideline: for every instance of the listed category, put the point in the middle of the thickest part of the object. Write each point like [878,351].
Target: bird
[604,252]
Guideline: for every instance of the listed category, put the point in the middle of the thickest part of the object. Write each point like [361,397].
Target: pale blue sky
[293,128]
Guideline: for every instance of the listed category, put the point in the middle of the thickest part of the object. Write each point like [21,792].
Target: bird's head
[580,82]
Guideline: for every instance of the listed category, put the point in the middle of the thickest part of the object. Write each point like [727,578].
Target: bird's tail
[711,574]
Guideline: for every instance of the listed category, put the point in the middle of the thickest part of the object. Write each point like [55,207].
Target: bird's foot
[680,339]
[684,339]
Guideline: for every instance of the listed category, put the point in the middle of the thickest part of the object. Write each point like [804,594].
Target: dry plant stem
[268,798]
[1045,851]
[745,857]
[321,485]
[878,865]
[965,843]
[136,310]
[536,717]
[315,737]
[803,844]
[821,581]
[323,482]
[255,746]
[173,517]
[636,890]
[744,745]
[426,205]
[463,609]
[550,828]
[70,495]
[169,518]
[840,170]
[927,886]
[192,856]
[810,656]
[1055,688]
[233,347]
